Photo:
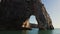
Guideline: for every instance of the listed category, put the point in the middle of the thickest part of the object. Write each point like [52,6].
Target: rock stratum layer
[14,12]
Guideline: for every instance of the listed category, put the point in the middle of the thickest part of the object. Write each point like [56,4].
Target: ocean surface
[33,31]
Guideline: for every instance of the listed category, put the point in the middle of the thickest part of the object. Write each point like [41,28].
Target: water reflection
[45,32]
[33,31]
[23,32]
[36,31]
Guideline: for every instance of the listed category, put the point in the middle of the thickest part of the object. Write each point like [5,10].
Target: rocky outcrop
[26,25]
[34,25]
[47,18]
[13,13]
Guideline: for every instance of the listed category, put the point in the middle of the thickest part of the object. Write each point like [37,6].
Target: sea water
[33,31]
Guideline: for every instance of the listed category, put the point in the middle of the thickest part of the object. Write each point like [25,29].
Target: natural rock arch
[15,12]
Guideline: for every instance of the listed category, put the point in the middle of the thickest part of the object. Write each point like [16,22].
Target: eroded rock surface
[14,12]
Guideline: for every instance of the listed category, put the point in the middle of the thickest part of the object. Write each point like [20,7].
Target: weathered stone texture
[14,12]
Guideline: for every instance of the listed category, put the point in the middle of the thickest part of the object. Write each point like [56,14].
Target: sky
[53,9]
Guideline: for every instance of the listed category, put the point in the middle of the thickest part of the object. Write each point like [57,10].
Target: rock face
[26,25]
[34,25]
[14,12]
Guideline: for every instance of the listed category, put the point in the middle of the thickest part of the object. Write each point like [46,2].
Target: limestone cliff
[47,17]
[13,13]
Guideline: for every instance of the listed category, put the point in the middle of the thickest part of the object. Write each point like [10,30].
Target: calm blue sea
[33,31]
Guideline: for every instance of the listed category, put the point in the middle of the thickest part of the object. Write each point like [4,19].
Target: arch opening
[32,19]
